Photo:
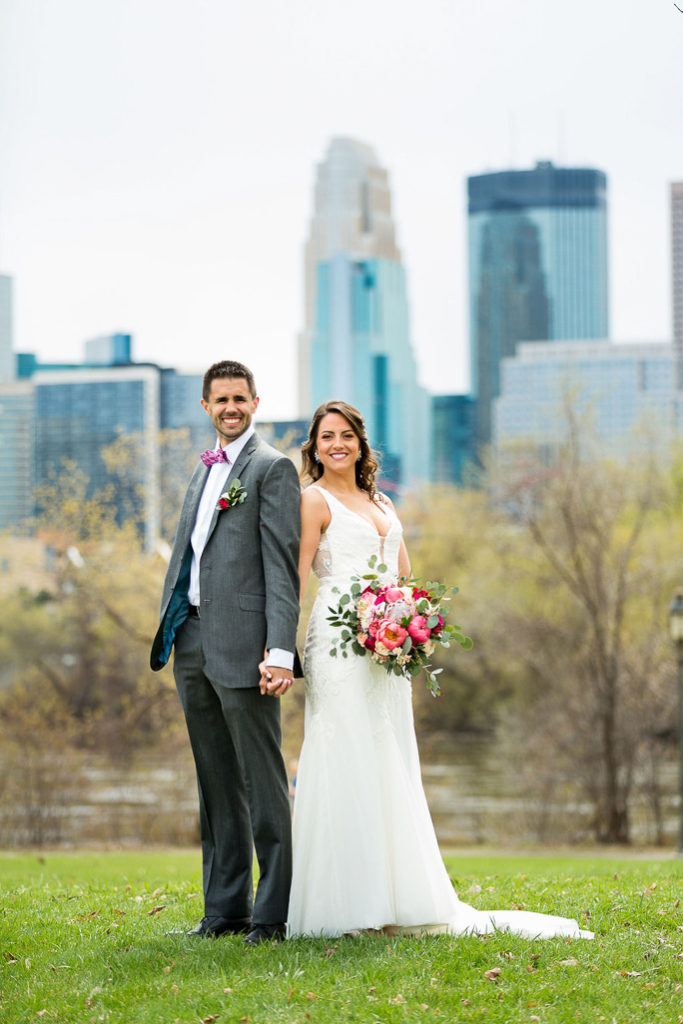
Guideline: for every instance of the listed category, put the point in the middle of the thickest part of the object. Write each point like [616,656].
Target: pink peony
[393,593]
[419,630]
[390,634]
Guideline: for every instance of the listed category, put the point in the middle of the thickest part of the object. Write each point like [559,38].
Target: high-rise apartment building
[624,391]
[452,438]
[109,350]
[356,344]
[83,412]
[17,483]
[537,267]
[7,369]
[677,274]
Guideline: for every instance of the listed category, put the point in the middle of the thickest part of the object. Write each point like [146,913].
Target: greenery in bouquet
[398,624]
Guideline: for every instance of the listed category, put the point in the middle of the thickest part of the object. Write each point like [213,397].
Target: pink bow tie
[212,456]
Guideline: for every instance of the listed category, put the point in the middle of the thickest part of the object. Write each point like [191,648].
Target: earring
[316,457]
[360,456]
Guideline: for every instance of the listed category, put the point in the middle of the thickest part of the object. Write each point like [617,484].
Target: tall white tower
[355,344]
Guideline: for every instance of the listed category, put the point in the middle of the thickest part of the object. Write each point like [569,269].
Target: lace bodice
[351,540]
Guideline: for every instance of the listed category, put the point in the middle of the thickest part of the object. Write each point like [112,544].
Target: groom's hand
[274,681]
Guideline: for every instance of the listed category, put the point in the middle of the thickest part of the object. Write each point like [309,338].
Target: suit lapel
[239,466]
[190,506]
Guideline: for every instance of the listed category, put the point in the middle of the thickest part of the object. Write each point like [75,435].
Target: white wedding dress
[365,850]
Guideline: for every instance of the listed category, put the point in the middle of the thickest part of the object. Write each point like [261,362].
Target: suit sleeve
[280,528]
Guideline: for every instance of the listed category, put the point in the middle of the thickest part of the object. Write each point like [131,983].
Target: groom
[231,591]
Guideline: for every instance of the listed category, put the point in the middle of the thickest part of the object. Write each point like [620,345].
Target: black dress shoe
[212,927]
[265,933]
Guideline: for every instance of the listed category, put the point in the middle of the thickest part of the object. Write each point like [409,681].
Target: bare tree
[604,684]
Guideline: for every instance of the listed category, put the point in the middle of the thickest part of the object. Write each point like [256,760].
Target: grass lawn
[82,940]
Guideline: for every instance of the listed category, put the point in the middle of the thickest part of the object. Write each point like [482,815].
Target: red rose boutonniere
[234,495]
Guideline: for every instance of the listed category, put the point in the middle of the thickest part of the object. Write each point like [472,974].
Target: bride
[365,852]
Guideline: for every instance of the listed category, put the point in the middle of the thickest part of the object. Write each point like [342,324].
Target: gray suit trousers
[243,791]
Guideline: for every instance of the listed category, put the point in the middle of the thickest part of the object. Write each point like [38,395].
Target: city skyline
[158,162]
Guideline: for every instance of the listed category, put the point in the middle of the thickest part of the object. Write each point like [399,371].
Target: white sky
[157,159]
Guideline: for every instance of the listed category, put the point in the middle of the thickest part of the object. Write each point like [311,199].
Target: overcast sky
[157,159]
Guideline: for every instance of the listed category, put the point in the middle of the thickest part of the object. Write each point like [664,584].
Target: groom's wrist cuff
[280,659]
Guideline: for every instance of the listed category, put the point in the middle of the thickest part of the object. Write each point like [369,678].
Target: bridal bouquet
[397,624]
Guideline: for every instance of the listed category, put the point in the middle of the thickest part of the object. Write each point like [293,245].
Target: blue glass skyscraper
[537,266]
[356,341]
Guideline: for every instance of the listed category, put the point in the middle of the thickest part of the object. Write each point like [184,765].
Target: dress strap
[326,495]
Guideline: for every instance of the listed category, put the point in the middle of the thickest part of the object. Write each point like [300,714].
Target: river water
[473,794]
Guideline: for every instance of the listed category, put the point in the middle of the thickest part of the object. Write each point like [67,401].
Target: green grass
[82,940]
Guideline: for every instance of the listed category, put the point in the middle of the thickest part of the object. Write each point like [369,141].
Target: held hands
[274,681]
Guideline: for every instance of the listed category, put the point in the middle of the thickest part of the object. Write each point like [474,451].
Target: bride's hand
[265,676]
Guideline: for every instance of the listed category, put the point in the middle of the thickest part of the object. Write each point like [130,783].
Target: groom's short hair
[227,368]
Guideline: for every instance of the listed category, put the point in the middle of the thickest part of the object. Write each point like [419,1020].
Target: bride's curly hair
[366,467]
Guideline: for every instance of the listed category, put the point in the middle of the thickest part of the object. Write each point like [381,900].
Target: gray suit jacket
[249,581]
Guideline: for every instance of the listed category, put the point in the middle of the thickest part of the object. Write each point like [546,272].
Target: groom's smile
[230,406]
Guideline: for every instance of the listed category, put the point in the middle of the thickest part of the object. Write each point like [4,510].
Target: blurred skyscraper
[677,274]
[624,391]
[452,437]
[355,344]
[6,344]
[84,409]
[537,267]
[16,424]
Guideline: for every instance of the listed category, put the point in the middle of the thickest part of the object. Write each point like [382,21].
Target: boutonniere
[234,495]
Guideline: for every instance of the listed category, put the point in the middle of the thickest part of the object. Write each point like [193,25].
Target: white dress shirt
[216,480]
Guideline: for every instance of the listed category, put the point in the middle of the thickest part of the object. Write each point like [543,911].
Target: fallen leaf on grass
[493,974]
[211,1019]
[175,990]
[329,950]
[473,890]
[156,910]
[570,962]
[397,999]
[41,1013]
[310,996]
[630,974]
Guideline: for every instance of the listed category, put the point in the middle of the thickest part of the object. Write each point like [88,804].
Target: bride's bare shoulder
[313,504]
